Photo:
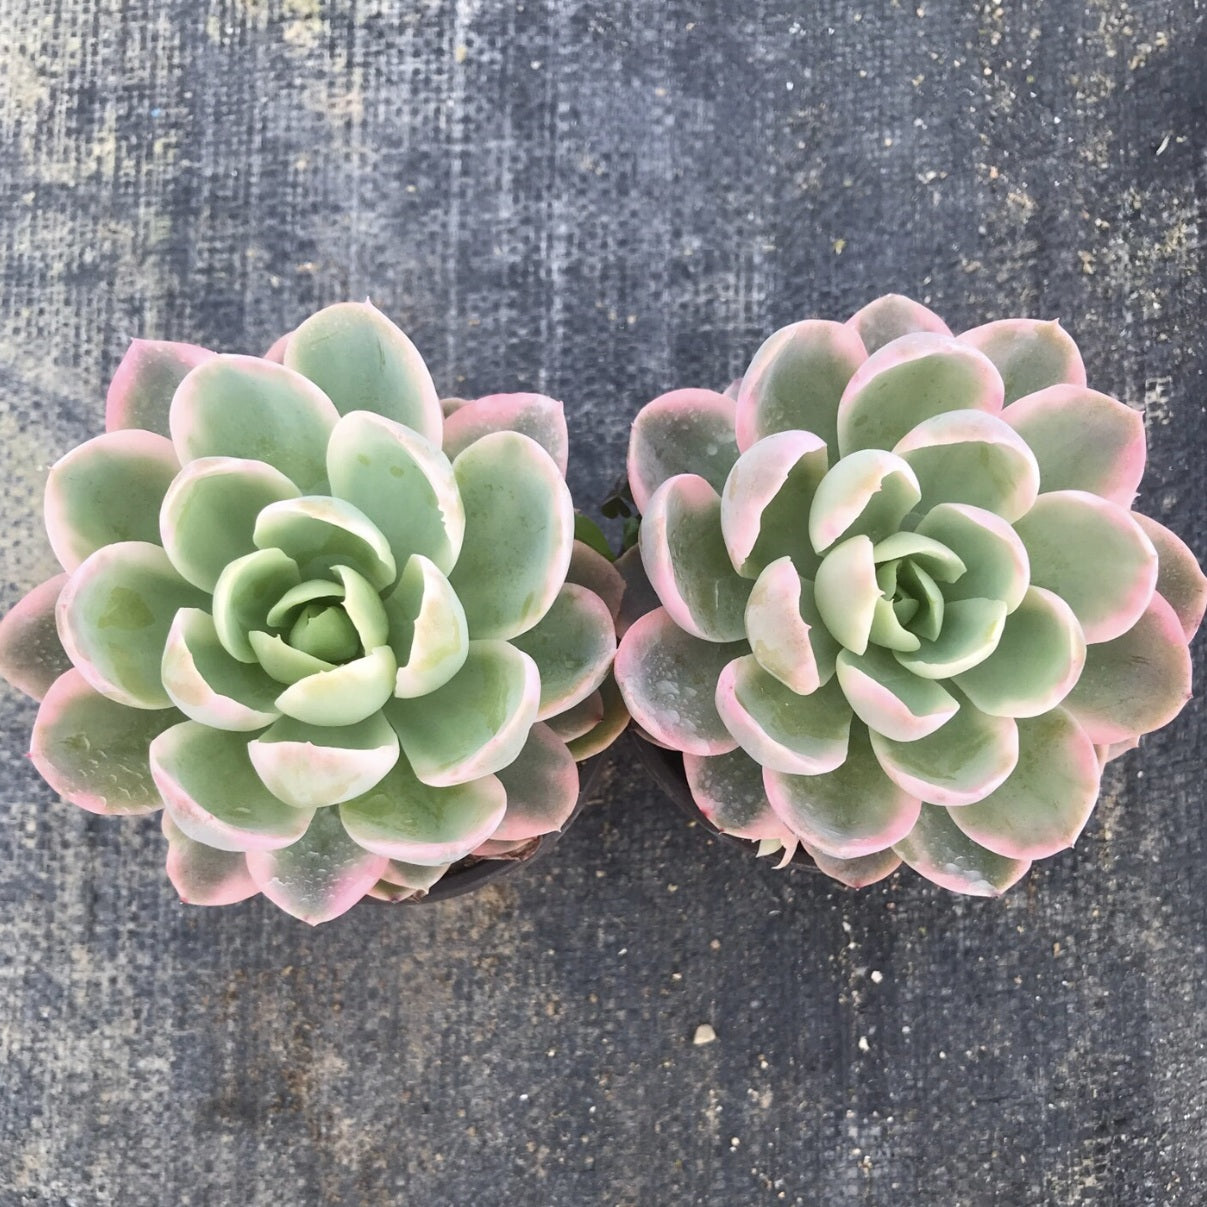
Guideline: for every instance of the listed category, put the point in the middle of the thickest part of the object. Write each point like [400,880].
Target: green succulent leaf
[939,850]
[246,591]
[728,789]
[344,694]
[31,655]
[786,631]
[428,631]
[203,875]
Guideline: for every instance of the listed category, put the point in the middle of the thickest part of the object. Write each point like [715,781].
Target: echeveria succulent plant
[906,612]
[345,639]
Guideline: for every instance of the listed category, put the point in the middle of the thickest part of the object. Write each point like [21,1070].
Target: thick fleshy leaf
[407,819]
[958,764]
[939,850]
[1179,578]
[363,608]
[106,490]
[802,735]
[785,629]
[911,380]
[1038,659]
[796,380]
[687,562]
[276,350]
[845,591]
[247,590]
[639,597]
[534,415]
[610,726]
[93,751]
[542,787]
[728,789]
[1082,440]
[868,493]
[852,811]
[31,655]
[683,432]
[1094,556]
[203,875]
[402,483]
[241,406]
[343,695]
[579,719]
[892,316]
[971,631]
[363,362]
[592,570]
[113,618]
[668,679]
[322,875]
[857,873]
[142,388]
[891,700]
[282,662]
[1134,683]
[572,645]
[1030,354]
[319,532]
[475,723]
[309,766]
[765,501]
[210,510]
[1044,805]
[428,631]
[210,686]
[972,457]
[993,554]
[519,530]
[210,787]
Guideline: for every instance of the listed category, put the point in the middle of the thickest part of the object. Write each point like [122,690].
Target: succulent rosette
[342,639]
[906,611]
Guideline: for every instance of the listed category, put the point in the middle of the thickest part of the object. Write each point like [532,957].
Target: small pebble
[704,1035]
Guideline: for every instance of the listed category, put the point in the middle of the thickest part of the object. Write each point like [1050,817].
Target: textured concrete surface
[601,199]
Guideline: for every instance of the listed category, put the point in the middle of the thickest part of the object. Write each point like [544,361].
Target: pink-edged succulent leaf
[242,406]
[801,735]
[519,532]
[892,316]
[93,751]
[685,557]
[210,686]
[728,789]
[572,645]
[995,560]
[796,380]
[1136,682]
[767,495]
[363,362]
[958,764]
[1048,798]
[846,592]
[106,490]
[345,694]
[244,595]
[1030,354]
[210,787]
[408,820]
[534,415]
[610,726]
[427,629]
[542,787]
[685,431]
[209,514]
[31,655]
[972,629]
[579,719]
[785,629]
[202,875]
[475,723]
[276,350]
[868,494]
[309,766]
[403,483]
[1039,657]
[972,457]
[639,597]
[114,615]
[1093,555]
[322,875]
[891,700]
[1179,578]
[910,380]
[142,388]
[939,850]
[860,872]
[1082,440]
[590,569]
[852,811]
[668,679]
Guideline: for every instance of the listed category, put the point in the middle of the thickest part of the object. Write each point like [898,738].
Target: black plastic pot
[666,770]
